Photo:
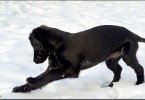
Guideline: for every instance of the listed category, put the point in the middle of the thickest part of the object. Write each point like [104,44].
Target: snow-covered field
[18,18]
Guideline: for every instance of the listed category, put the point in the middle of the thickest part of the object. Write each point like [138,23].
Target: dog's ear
[42,32]
[42,28]
[37,45]
[33,39]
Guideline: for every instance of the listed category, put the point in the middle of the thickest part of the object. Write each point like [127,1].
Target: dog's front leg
[28,86]
[41,80]
[24,88]
[53,62]
[52,75]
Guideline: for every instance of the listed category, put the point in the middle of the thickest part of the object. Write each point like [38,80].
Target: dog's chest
[85,64]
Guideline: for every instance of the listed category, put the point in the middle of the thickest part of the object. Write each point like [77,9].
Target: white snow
[18,18]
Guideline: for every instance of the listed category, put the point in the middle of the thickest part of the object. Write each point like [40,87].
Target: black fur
[68,53]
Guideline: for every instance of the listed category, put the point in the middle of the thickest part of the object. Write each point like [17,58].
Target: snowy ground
[18,18]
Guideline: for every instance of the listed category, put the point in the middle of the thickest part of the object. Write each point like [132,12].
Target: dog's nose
[39,57]
[37,60]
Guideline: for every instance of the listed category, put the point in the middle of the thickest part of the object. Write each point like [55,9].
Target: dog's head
[38,39]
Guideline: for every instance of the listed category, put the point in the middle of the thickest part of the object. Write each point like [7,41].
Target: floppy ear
[42,32]
[35,43]
[32,37]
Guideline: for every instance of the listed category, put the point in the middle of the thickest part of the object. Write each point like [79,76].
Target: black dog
[70,53]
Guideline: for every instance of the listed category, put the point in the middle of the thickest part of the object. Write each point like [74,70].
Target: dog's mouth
[40,56]
[38,61]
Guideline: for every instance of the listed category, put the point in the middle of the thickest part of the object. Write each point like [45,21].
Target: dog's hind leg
[131,60]
[113,65]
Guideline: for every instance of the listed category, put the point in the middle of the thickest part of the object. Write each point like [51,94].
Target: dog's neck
[57,38]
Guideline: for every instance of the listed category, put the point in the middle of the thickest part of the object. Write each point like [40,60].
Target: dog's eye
[37,45]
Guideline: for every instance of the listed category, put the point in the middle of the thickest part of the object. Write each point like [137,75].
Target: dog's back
[98,43]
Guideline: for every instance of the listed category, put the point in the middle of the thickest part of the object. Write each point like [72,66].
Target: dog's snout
[38,57]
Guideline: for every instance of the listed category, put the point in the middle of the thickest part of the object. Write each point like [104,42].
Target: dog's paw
[23,88]
[110,85]
[139,82]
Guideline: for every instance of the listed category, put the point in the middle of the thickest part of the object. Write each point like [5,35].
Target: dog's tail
[140,39]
